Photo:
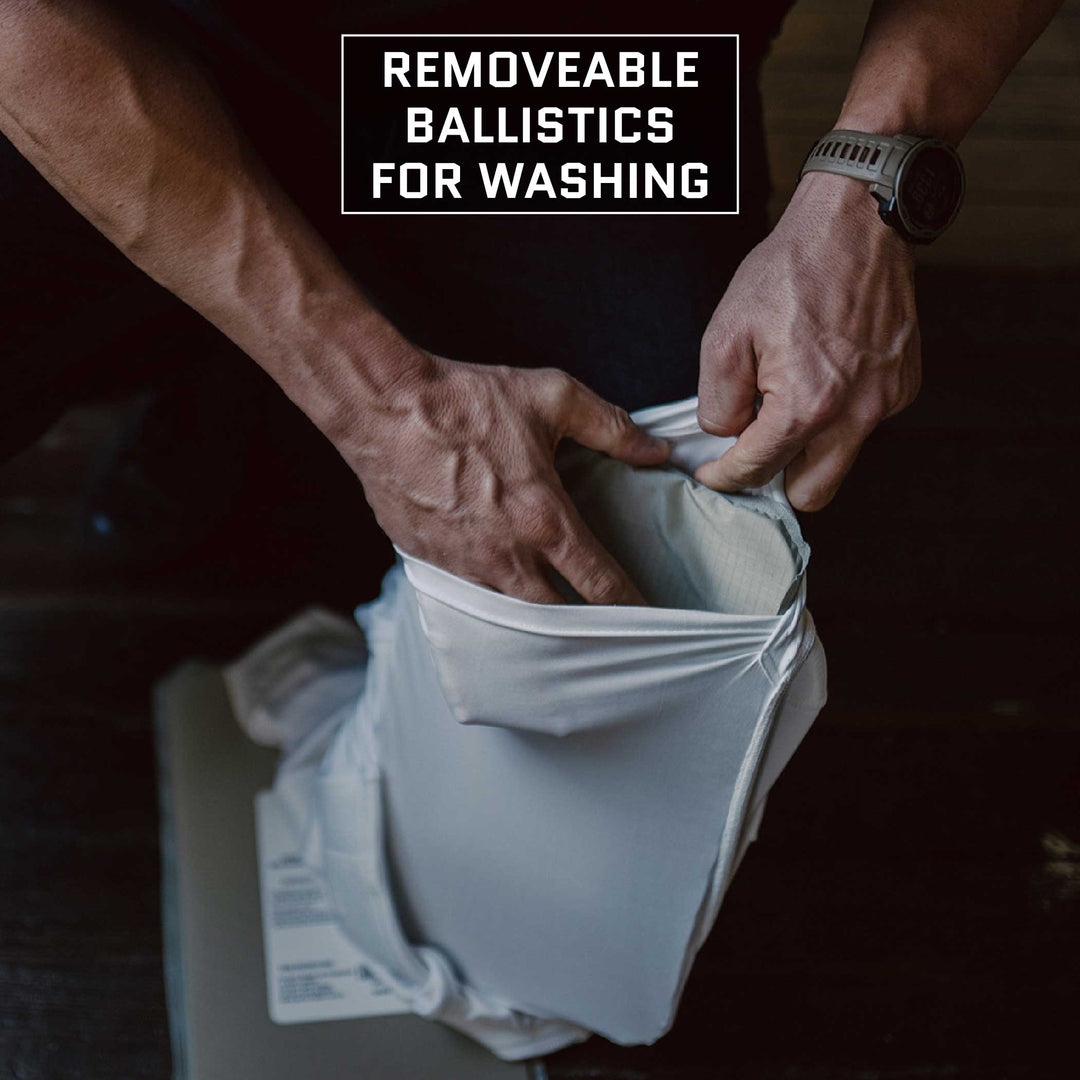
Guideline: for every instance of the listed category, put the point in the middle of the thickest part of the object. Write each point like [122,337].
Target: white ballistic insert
[527,814]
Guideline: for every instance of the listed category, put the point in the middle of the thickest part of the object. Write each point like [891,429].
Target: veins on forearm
[124,125]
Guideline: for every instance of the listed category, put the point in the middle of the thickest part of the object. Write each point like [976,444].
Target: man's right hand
[457,461]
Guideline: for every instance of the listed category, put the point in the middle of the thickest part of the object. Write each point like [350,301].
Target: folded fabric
[528,814]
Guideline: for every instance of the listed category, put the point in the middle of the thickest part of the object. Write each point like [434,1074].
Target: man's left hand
[820,321]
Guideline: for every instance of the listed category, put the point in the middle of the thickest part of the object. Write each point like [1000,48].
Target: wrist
[893,115]
[843,206]
[332,352]
[350,367]
[293,308]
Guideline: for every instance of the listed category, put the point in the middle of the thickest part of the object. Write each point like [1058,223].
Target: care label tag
[313,971]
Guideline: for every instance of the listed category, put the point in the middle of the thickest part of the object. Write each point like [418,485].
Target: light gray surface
[214,953]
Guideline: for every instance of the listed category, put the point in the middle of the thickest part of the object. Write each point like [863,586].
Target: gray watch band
[919,211]
[873,158]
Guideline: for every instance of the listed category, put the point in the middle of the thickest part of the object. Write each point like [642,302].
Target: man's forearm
[930,67]
[820,318]
[131,133]
[456,459]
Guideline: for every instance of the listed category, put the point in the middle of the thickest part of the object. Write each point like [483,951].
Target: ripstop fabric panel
[529,815]
[682,545]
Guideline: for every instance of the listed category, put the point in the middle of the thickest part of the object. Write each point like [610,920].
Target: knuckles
[715,427]
[557,389]
[810,503]
[625,428]
[720,354]
[600,586]
[710,427]
[831,394]
[539,518]
[755,476]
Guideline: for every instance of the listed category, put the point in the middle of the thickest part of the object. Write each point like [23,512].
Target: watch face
[929,189]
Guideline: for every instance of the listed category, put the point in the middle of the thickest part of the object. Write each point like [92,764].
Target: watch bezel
[892,210]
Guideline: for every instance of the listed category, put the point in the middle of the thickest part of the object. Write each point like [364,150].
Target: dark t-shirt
[620,301]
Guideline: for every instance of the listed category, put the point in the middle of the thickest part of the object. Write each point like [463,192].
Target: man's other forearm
[127,128]
[930,67]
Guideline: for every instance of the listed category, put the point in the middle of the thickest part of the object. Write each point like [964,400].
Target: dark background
[912,909]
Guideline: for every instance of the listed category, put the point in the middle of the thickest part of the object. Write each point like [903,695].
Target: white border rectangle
[532,213]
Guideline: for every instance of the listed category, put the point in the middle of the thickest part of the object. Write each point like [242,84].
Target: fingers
[727,386]
[589,568]
[760,452]
[815,475]
[548,530]
[814,470]
[590,420]
[536,589]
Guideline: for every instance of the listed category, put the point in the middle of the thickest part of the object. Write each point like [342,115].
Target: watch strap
[872,158]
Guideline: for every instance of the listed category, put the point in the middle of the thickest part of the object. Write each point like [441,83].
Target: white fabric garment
[528,814]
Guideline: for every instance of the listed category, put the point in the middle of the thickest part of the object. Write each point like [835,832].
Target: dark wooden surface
[912,909]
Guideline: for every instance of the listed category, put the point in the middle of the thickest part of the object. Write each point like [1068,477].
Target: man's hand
[820,317]
[820,320]
[457,461]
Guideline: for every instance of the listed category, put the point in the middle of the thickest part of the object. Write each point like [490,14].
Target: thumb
[727,385]
[590,420]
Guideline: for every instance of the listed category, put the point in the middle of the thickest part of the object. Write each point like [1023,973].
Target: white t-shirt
[528,814]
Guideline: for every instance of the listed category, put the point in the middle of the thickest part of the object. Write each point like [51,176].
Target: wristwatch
[918,183]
